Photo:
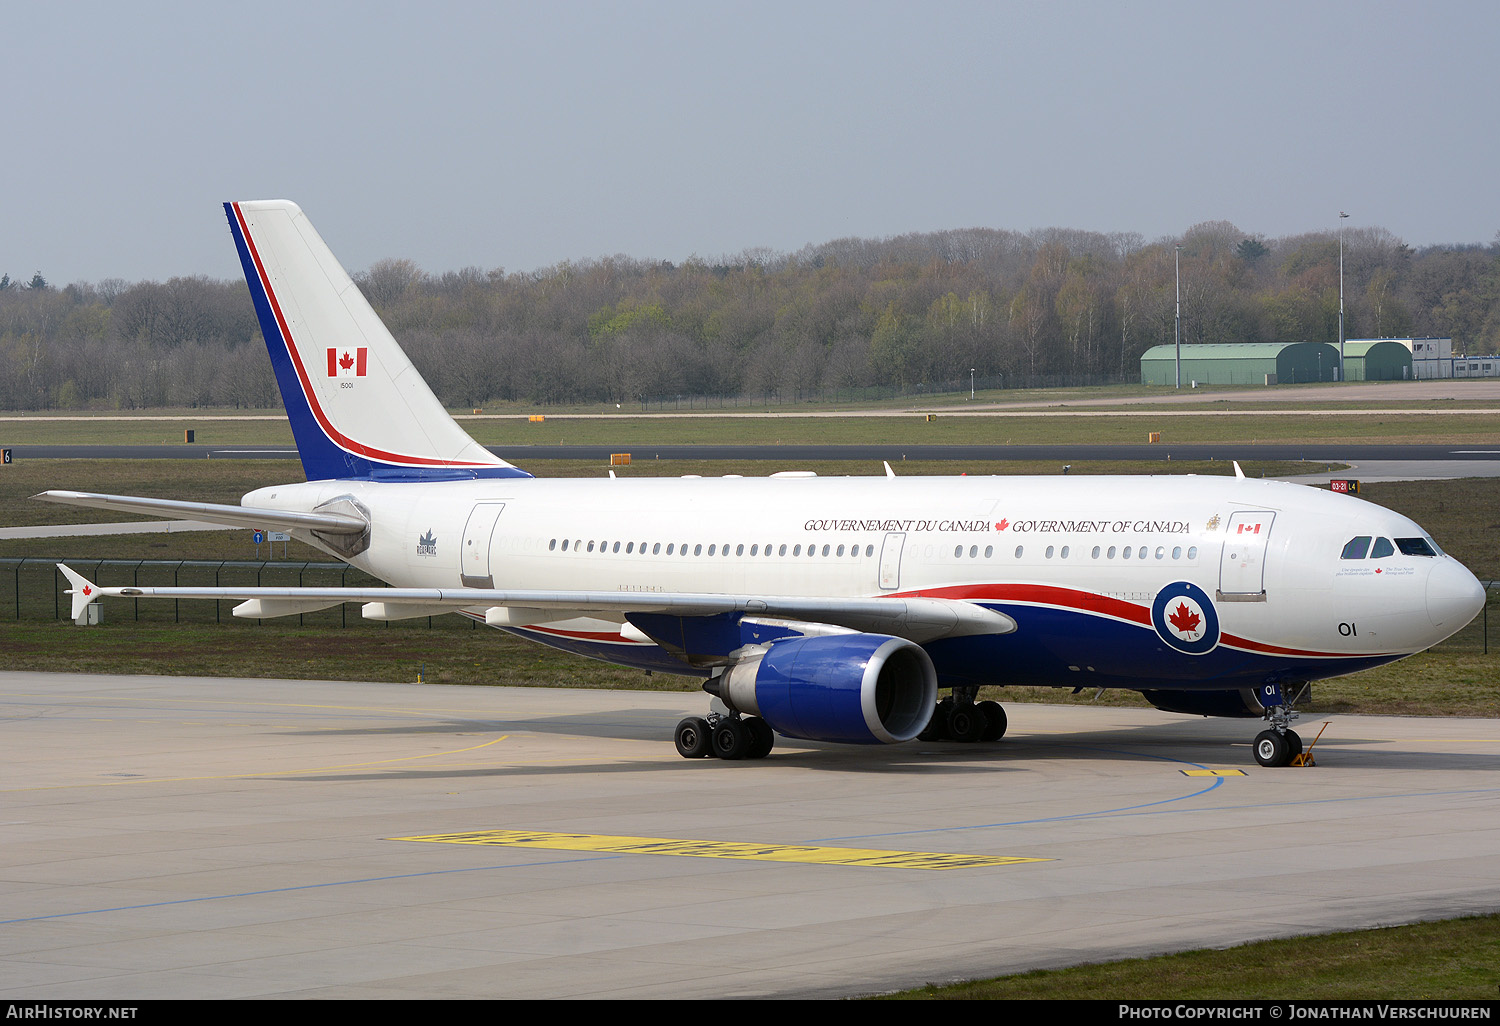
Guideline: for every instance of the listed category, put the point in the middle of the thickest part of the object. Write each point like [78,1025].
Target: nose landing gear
[1279,745]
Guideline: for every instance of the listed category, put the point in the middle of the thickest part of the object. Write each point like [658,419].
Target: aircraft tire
[731,739]
[995,721]
[1272,749]
[762,738]
[967,723]
[1295,741]
[693,738]
[937,727]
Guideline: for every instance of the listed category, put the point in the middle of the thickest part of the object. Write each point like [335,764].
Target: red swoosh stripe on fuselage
[1102,605]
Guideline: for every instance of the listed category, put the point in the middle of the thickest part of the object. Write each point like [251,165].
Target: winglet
[83,591]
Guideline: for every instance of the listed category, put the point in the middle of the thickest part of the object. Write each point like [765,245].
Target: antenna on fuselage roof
[1237,471]
[888,471]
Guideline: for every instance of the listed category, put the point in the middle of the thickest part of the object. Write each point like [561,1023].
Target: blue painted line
[1218,782]
[300,887]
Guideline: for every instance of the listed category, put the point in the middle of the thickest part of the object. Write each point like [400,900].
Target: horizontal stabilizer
[214,513]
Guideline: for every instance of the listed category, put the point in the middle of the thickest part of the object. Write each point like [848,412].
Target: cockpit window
[1415,547]
[1383,548]
[1356,547]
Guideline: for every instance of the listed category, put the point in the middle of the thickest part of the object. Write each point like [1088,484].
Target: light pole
[1342,217]
[1177,260]
[971,384]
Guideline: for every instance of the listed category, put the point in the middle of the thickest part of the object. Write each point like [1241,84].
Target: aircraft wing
[913,618]
[214,513]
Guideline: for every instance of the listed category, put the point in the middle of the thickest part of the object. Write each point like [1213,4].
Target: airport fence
[37,591]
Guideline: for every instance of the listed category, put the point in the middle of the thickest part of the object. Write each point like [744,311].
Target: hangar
[1243,363]
[1377,360]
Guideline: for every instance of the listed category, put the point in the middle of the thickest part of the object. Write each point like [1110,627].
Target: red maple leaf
[1184,619]
[346,361]
[87,590]
[1003,524]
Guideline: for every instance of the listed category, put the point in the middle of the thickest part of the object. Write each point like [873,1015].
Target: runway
[1322,452]
[190,838]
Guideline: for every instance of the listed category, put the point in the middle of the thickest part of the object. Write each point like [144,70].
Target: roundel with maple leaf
[1185,618]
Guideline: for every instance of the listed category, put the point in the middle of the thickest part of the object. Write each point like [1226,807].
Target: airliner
[823,609]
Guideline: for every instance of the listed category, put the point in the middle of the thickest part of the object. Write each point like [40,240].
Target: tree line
[911,313]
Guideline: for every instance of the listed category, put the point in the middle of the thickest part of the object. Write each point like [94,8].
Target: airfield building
[1242,363]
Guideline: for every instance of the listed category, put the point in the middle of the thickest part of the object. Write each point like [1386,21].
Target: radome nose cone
[1454,596]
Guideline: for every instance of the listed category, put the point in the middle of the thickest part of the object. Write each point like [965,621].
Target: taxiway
[174,837]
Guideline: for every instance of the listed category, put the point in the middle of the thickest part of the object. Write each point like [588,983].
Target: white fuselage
[1092,550]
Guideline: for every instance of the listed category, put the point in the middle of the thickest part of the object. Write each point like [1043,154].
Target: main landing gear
[1278,745]
[960,718]
[727,737]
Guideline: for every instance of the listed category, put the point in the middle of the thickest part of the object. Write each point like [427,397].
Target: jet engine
[849,688]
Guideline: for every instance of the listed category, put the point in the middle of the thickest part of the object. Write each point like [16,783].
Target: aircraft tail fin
[357,406]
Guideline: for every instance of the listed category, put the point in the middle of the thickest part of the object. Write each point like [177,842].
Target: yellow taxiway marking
[724,849]
[1213,773]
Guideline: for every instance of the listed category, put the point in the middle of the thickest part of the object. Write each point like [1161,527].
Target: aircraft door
[474,563]
[1242,565]
[890,561]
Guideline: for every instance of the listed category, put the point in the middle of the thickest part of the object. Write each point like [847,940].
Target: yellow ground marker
[1213,773]
[724,849]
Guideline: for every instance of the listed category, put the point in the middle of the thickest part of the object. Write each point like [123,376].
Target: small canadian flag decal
[347,363]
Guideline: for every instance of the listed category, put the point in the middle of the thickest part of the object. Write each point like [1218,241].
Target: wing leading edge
[916,619]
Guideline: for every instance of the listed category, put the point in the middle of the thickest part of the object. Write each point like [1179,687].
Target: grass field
[1455,960]
[1211,422]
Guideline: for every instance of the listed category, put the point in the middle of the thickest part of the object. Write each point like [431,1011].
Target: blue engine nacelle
[851,688]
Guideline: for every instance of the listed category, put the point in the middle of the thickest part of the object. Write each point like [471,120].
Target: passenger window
[1356,548]
[1019,550]
[1383,548]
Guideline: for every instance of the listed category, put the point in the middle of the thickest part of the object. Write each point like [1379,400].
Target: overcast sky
[518,135]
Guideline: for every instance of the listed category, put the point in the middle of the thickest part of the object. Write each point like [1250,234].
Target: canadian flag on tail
[347,363]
